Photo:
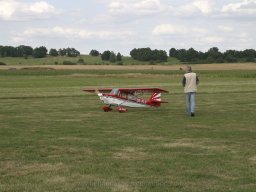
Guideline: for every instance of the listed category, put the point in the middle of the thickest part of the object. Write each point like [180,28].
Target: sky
[121,25]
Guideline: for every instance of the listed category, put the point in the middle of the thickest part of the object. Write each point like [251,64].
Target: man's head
[189,68]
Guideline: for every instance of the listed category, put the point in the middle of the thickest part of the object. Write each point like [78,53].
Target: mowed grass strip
[54,137]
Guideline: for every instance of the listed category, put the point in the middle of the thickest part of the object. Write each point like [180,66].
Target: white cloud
[245,6]
[72,33]
[198,6]
[40,7]
[225,28]
[170,29]
[203,5]
[243,35]
[199,30]
[136,7]
[15,10]
[8,8]
[212,39]
[34,31]
[17,39]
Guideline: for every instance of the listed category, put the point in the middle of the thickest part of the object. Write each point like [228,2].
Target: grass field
[54,137]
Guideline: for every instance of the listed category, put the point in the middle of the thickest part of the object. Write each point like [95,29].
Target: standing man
[190,82]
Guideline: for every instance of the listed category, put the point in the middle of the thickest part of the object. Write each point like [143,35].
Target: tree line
[141,54]
[38,52]
[213,55]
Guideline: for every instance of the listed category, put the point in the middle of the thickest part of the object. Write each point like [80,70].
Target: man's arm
[197,80]
[184,81]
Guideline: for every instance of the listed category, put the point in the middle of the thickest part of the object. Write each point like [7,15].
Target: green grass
[54,137]
[88,60]
[49,60]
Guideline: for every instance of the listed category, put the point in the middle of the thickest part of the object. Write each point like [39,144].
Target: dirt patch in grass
[56,179]
[151,138]
[253,159]
[14,168]
[122,187]
[58,151]
[225,66]
[199,126]
[70,138]
[199,144]
[40,167]
[130,153]
[37,68]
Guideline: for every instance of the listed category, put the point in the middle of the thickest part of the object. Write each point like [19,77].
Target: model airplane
[128,97]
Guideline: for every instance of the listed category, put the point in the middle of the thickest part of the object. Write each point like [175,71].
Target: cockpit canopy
[114,91]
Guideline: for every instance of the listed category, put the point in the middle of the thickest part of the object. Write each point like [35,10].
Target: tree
[112,57]
[230,58]
[173,52]
[163,56]
[213,53]
[181,54]
[249,55]
[53,52]
[105,56]
[62,52]
[119,57]
[192,55]
[24,51]
[72,52]
[8,51]
[40,52]
[94,53]
[1,50]
[146,54]
[133,54]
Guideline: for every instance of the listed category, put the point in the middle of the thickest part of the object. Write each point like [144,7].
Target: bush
[219,60]
[80,61]
[112,57]
[152,62]
[2,63]
[56,62]
[68,63]
[250,59]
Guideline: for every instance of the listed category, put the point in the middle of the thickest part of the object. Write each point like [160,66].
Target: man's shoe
[192,114]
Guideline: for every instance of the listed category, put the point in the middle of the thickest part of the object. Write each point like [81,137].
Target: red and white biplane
[128,97]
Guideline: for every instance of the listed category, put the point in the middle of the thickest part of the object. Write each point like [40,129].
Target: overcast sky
[121,25]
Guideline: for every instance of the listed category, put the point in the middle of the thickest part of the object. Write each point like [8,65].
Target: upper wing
[129,90]
[102,90]
[143,90]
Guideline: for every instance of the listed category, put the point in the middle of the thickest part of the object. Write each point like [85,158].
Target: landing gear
[121,109]
[106,108]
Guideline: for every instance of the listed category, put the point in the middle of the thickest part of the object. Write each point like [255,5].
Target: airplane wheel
[106,108]
[121,109]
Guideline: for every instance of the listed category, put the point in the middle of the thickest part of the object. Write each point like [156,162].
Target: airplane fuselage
[119,101]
